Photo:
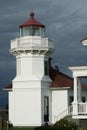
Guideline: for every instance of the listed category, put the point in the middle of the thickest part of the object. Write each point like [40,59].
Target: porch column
[79,90]
[75,102]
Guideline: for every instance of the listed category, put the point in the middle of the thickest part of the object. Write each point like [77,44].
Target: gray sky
[66,23]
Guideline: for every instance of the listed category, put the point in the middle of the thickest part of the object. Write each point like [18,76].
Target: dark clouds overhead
[66,23]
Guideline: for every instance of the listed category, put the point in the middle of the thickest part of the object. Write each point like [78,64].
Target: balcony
[32,41]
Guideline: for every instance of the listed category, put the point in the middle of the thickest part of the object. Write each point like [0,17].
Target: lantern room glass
[32,31]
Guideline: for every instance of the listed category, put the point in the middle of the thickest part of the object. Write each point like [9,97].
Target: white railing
[82,108]
[30,41]
[65,113]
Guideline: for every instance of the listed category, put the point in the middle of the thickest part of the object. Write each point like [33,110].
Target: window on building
[83,99]
[46,67]
[70,100]
[46,108]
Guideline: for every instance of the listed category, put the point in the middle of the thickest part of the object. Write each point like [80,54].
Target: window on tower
[36,32]
[46,68]
[30,31]
[26,31]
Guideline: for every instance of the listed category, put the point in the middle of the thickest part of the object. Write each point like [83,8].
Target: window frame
[46,108]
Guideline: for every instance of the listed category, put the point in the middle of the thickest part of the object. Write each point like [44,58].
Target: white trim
[60,88]
[78,67]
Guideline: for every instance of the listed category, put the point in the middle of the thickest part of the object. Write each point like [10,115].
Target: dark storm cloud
[65,21]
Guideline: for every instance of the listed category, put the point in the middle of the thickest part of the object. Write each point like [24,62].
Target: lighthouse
[30,101]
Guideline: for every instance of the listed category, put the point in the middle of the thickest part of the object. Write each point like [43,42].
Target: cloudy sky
[66,23]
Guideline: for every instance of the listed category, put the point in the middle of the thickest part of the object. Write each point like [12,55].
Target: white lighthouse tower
[30,97]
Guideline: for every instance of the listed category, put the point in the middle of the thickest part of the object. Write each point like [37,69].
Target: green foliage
[64,124]
[81,128]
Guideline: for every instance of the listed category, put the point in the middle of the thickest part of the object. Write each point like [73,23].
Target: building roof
[32,22]
[9,87]
[83,39]
[59,79]
[62,80]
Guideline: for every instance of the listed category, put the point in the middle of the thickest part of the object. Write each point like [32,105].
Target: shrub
[64,124]
[81,128]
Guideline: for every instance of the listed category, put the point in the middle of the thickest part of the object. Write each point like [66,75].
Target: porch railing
[82,108]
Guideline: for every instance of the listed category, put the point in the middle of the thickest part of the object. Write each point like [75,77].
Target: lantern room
[32,27]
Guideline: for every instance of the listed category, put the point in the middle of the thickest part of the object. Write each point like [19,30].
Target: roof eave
[7,89]
[60,88]
[21,26]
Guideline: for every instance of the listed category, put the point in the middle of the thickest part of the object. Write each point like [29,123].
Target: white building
[40,93]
